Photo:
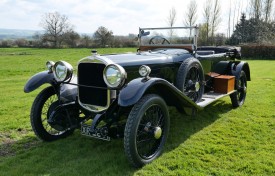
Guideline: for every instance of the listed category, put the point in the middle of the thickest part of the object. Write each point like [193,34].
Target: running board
[211,97]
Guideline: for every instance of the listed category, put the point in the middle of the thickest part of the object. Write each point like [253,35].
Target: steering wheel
[158,40]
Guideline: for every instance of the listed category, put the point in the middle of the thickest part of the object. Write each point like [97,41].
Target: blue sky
[120,16]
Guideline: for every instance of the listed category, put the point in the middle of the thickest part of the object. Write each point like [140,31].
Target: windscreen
[166,36]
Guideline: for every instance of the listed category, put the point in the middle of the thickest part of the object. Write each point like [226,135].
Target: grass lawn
[220,140]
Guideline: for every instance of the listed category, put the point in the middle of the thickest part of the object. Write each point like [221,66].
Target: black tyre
[238,98]
[190,79]
[43,105]
[146,130]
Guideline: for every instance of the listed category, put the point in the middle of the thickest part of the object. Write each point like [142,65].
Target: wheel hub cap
[197,86]
[157,132]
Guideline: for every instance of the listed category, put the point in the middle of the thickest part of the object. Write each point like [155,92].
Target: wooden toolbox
[224,84]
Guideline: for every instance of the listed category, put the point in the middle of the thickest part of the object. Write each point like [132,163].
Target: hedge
[258,51]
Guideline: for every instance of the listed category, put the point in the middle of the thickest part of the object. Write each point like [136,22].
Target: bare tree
[256,9]
[86,41]
[207,17]
[229,19]
[71,38]
[171,19]
[103,36]
[247,11]
[191,15]
[220,39]
[55,25]
[202,38]
[215,21]
[239,9]
[234,16]
[37,40]
[267,9]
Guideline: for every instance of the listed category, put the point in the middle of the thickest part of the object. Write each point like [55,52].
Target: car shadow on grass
[80,155]
[182,127]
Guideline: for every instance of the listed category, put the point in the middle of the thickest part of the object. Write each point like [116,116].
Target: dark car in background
[127,95]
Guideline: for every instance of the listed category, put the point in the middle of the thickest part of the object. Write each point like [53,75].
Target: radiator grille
[91,74]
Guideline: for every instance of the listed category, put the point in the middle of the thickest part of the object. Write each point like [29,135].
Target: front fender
[135,89]
[37,80]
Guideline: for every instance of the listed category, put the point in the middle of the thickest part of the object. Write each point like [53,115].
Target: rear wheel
[238,98]
[146,130]
[43,105]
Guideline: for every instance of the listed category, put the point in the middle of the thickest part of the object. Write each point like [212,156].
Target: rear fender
[237,67]
[37,80]
[135,90]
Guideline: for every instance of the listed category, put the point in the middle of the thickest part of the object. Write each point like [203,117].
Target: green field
[218,141]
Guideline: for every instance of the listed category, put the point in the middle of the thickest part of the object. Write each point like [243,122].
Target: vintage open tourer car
[127,95]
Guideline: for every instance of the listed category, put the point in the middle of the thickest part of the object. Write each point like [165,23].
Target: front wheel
[43,105]
[146,130]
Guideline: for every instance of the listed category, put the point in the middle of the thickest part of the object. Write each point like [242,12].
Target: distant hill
[11,34]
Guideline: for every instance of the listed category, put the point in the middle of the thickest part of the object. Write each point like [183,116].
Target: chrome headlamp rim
[121,79]
[68,71]
[144,71]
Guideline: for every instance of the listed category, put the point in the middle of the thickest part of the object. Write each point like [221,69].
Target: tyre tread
[129,125]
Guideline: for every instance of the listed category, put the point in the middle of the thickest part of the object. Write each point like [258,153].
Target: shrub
[258,51]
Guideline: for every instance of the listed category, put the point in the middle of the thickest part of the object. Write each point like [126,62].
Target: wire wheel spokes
[192,83]
[146,141]
[46,112]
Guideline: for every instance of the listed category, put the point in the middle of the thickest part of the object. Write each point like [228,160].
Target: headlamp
[49,65]
[114,76]
[62,71]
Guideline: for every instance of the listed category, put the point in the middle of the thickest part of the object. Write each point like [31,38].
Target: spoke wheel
[190,79]
[238,98]
[45,102]
[146,130]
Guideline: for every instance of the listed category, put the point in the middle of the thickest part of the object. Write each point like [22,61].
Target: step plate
[211,97]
